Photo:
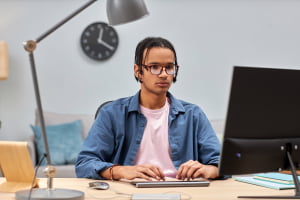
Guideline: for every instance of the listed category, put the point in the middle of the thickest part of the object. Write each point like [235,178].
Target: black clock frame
[99,41]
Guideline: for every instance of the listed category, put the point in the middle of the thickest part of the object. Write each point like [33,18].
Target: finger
[159,175]
[151,172]
[158,172]
[207,171]
[179,172]
[143,172]
[191,170]
[182,171]
[144,176]
[198,173]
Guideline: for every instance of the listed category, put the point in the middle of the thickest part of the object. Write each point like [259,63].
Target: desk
[218,190]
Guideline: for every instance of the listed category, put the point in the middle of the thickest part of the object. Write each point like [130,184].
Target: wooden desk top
[218,190]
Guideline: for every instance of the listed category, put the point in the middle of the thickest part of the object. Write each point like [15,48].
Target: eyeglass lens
[157,69]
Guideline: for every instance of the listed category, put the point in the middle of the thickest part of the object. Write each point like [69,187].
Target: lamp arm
[30,46]
[76,12]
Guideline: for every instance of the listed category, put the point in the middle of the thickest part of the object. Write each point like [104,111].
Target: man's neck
[152,101]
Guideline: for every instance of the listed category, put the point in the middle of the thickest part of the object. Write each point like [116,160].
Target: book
[263,183]
[289,172]
[275,177]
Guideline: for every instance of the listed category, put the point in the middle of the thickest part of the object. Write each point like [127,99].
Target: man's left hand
[194,169]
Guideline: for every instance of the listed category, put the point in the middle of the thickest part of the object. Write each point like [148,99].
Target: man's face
[156,83]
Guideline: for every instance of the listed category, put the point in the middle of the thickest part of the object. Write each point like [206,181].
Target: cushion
[64,142]
[53,118]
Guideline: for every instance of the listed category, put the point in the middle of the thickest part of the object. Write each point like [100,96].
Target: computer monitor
[262,130]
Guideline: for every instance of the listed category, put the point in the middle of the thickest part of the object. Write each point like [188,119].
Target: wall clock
[99,41]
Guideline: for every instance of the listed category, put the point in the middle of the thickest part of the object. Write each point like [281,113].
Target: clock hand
[100,35]
[106,45]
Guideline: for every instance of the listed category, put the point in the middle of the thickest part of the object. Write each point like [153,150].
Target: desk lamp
[118,12]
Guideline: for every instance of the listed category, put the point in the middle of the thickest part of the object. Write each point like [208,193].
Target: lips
[163,84]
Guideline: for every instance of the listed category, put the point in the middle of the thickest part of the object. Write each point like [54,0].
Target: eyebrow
[157,63]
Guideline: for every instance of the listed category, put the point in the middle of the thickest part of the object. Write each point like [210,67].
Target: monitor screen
[263,121]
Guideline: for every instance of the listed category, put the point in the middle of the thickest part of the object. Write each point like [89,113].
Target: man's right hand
[145,171]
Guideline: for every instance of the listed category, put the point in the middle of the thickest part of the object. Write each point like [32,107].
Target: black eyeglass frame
[162,67]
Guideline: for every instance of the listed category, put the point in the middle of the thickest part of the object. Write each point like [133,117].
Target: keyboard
[153,184]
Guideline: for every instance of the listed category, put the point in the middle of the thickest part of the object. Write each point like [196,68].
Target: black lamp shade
[123,11]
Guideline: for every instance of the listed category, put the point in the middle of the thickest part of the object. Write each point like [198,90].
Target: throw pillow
[54,118]
[64,142]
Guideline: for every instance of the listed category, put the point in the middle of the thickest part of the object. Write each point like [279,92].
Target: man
[151,135]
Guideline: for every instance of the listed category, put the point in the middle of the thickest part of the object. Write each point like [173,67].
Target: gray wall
[210,36]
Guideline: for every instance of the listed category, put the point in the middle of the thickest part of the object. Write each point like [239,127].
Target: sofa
[63,170]
[67,170]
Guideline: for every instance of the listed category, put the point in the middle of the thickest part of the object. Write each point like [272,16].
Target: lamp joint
[50,171]
[30,45]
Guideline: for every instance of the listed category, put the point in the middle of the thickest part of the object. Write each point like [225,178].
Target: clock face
[99,41]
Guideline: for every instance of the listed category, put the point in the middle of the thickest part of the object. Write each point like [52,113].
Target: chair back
[99,108]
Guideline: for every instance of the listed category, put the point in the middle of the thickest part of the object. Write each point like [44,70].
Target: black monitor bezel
[259,144]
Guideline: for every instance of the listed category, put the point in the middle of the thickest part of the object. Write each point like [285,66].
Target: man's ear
[136,71]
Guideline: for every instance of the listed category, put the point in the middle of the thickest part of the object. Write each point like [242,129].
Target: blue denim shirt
[117,132]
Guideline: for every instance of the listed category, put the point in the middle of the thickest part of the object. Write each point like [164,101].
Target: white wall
[210,36]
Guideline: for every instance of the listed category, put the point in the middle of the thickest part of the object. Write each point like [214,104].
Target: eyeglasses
[157,69]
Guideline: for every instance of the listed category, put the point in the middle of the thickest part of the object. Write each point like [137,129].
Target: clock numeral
[87,48]
[92,28]
[87,33]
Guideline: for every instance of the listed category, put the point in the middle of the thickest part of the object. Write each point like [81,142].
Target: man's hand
[194,169]
[145,171]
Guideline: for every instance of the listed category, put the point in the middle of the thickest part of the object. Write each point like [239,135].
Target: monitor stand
[296,182]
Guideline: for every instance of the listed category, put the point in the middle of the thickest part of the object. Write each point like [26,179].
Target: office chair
[99,108]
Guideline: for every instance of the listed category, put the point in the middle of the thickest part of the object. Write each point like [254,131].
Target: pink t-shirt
[154,148]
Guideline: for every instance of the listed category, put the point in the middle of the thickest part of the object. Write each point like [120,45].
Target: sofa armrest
[32,151]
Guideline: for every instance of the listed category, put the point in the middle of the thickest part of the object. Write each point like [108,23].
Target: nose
[163,72]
